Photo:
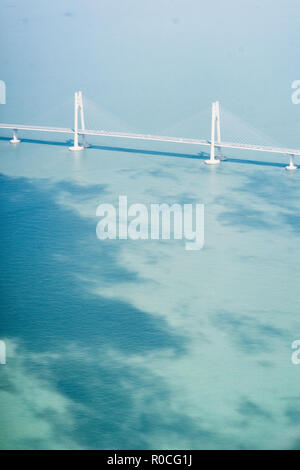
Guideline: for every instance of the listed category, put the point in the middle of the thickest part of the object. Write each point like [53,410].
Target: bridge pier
[291,165]
[215,118]
[15,139]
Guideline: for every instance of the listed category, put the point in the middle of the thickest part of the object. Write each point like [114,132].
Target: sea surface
[123,344]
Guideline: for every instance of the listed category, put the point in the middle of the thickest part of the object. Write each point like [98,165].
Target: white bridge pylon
[78,106]
[215,140]
[215,124]
[214,143]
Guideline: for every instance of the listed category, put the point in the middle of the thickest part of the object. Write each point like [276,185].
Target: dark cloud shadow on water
[274,188]
[252,411]
[273,204]
[45,252]
[246,333]
[49,311]
[122,411]
[245,217]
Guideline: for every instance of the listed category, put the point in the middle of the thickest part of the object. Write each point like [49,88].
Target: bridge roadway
[124,135]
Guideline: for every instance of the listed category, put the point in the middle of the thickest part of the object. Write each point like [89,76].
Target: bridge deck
[124,135]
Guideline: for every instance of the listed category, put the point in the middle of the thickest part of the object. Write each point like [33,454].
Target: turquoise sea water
[143,345]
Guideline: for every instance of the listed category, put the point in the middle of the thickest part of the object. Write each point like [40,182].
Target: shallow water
[142,344]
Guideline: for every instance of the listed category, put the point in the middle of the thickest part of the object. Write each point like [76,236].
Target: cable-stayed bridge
[215,143]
